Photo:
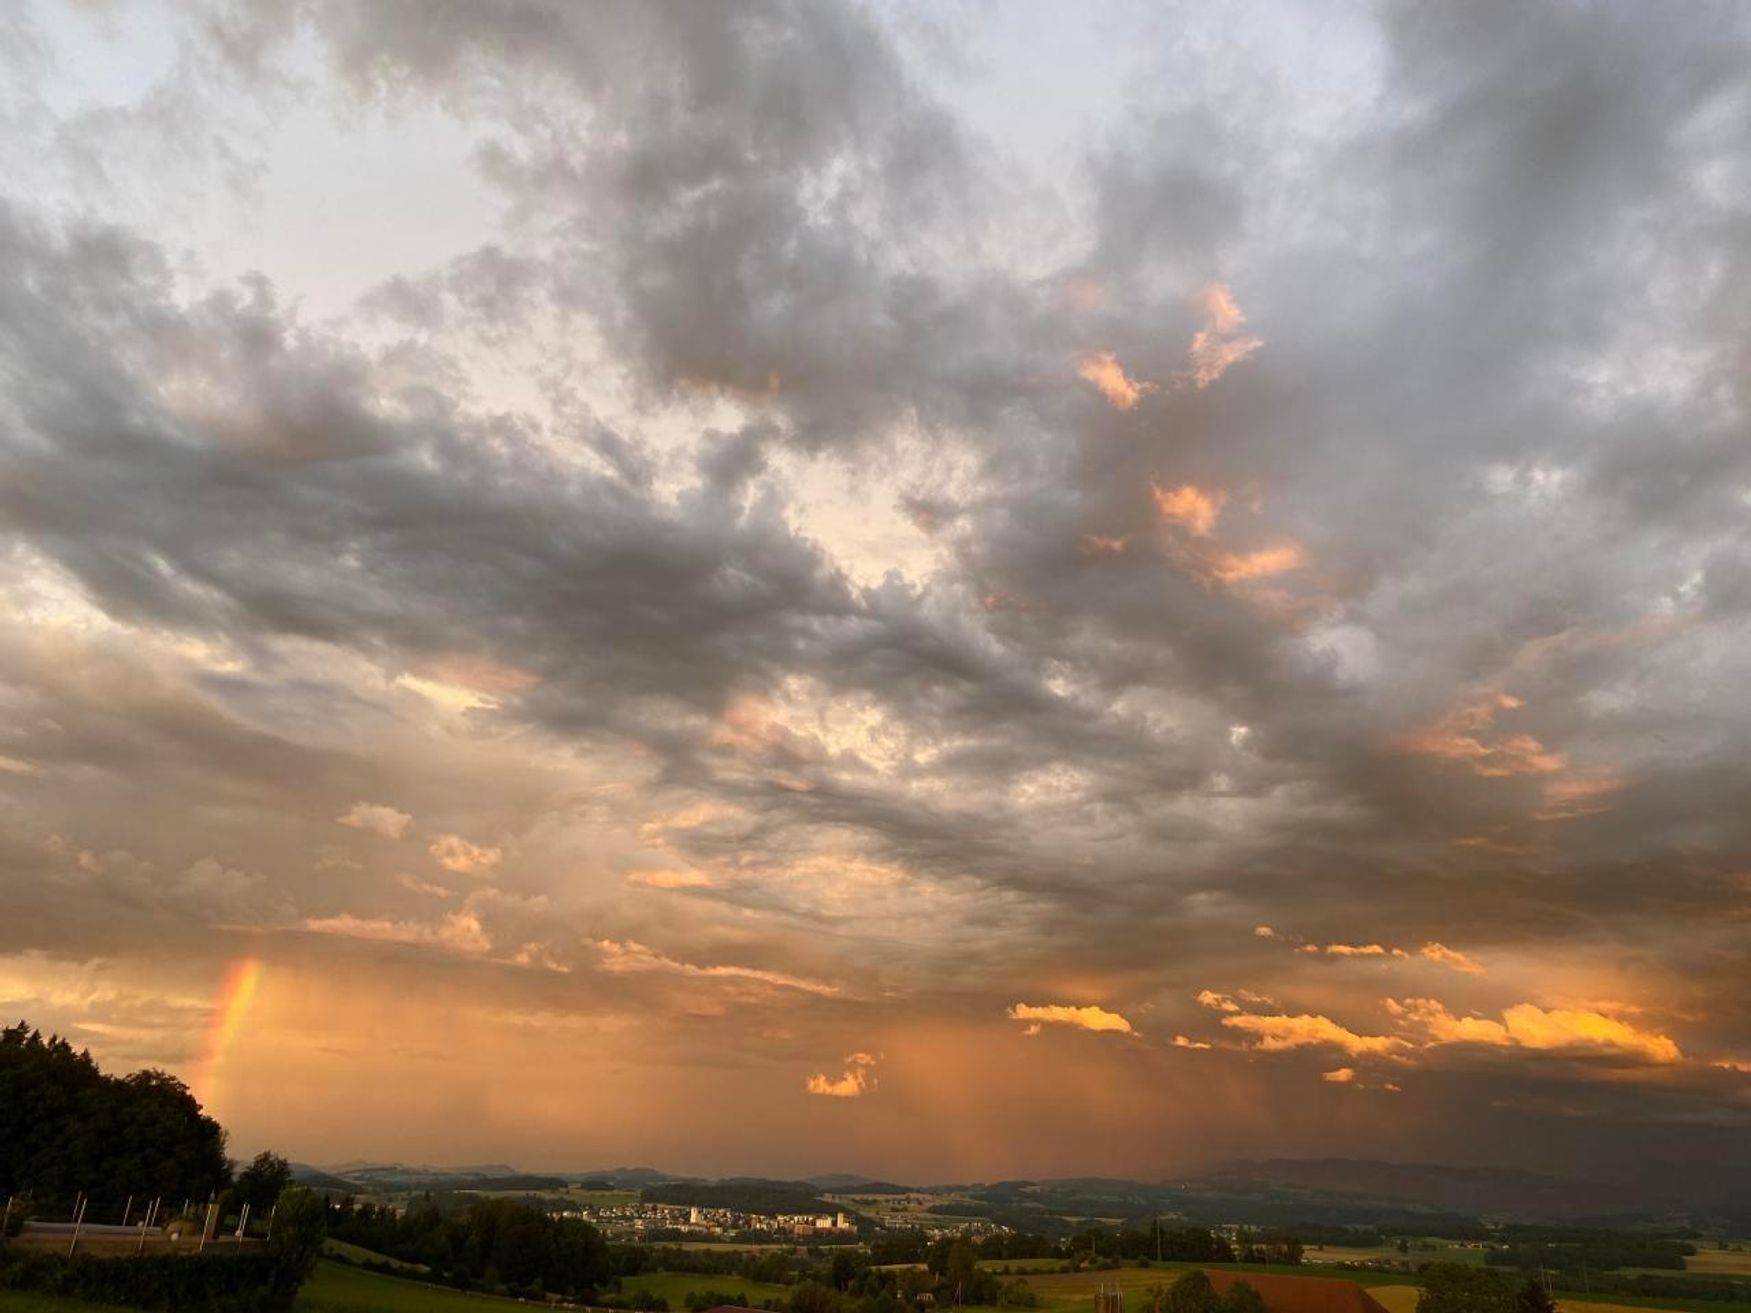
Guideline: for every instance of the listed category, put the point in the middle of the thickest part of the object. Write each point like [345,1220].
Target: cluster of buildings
[637,1220]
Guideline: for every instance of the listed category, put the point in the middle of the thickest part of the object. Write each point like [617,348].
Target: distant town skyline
[952,592]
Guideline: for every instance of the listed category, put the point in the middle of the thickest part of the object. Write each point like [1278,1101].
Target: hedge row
[175,1283]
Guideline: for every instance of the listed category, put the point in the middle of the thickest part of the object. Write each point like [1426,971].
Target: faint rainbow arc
[230,1011]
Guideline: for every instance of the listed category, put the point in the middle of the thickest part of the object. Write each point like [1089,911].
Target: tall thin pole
[78,1223]
[126,1209]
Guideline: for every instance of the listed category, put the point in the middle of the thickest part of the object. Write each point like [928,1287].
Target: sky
[946,591]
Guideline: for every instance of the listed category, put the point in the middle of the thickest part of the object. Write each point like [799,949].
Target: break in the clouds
[658,546]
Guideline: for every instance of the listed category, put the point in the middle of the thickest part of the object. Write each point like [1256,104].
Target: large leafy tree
[260,1184]
[66,1128]
[1193,1293]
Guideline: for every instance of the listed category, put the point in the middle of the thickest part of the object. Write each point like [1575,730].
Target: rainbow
[230,1010]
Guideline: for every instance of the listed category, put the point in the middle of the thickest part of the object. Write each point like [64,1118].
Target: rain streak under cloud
[997,592]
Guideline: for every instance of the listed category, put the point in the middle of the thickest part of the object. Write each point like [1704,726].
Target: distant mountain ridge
[1270,1191]
[1479,1191]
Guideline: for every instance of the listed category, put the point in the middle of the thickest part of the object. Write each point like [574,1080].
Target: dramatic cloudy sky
[941,591]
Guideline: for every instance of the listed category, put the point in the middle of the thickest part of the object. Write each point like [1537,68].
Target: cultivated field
[1720,1262]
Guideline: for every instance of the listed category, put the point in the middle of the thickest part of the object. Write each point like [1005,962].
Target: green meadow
[336,1288]
[676,1286]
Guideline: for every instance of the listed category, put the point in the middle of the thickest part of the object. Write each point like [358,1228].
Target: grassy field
[676,1286]
[23,1301]
[359,1254]
[336,1288]
[1422,1251]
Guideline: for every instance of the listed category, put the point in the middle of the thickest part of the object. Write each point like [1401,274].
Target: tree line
[483,1244]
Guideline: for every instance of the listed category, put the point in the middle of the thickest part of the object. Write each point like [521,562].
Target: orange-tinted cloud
[1265,563]
[856,1081]
[1355,950]
[1432,951]
[1451,957]
[1220,1002]
[1308,1030]
[1192,508]
[628,955]
[454,853]
[459,932]
[1187,1042]
[1579,795]
[1083,1018]
[1339,1075]
[1220,344]
[1526,1025]
[1194,512]
[663,877]
[1460,736]
[1095,545]
[1102,369]
[377,818]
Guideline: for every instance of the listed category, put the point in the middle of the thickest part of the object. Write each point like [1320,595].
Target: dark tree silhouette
[66,1128]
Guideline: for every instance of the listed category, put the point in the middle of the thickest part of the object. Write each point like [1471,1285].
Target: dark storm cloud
[1420,618]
